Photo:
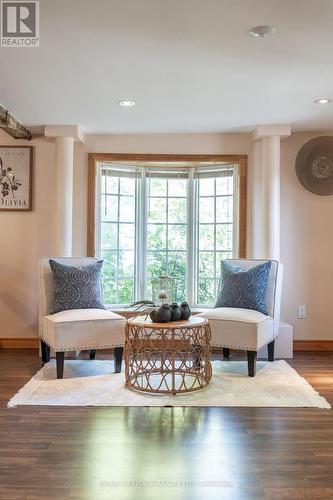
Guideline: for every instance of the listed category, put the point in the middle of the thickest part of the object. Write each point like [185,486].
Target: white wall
[306,249]
[25,237]
[306,228]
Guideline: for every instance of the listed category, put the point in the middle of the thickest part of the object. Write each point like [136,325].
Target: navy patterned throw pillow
[76,287]
[244,289]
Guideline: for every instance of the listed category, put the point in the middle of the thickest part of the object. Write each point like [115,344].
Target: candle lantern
[163,289]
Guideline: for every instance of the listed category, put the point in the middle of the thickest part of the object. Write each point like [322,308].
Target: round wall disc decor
[314,165]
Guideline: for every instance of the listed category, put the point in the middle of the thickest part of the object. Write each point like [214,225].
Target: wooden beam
[11,126]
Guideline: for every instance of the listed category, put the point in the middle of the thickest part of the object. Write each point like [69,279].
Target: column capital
[72,131]
[262,131]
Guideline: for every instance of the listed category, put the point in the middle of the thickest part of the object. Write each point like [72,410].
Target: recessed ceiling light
[126,103]
[322,101]
[261,31]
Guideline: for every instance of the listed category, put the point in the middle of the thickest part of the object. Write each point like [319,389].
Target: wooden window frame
[94,158]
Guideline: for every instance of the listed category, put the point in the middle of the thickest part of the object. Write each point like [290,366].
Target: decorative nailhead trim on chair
[244,348]
[85,348]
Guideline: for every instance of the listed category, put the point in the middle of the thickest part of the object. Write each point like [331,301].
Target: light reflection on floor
[154,445]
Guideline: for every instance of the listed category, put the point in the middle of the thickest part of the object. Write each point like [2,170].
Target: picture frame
[16,178]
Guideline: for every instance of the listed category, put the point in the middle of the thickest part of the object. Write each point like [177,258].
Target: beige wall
[306,249]
[306,234]
[25,237]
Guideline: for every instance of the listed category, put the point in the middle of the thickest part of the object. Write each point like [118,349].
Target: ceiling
[190,65]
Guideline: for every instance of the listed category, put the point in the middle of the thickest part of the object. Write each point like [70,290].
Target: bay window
[175,218]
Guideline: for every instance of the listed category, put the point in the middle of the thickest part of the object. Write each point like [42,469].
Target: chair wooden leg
[45,349]
[270,349]
[60,357]
[92,353]
[118,356]
[226,352]
[251,362]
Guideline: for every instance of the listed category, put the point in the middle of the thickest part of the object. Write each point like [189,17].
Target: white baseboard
[283,343]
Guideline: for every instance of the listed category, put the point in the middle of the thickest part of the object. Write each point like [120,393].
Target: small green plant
[143,307]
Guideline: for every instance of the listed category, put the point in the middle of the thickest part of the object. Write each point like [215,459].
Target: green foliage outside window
[166,235]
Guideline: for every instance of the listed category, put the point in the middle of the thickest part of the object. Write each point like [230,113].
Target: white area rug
[93,383]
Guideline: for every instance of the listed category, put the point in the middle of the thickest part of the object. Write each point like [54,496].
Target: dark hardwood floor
[176,453]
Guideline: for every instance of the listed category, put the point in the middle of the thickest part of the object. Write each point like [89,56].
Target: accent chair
[246,329]
[75,329]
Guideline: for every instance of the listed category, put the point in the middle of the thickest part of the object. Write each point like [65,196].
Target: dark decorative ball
[176,312]
[185,310]
[162,314]
[154,316]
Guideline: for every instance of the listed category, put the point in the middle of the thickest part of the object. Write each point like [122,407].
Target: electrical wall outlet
[301,312]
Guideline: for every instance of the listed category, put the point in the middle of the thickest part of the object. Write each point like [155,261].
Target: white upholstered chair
[76,329]
[245,329]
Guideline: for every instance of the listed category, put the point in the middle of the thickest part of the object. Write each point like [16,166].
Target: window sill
[128,312]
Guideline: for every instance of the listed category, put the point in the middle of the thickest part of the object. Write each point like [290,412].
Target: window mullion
[142,229]
[118,249]
[167,227]
[137,240]
[196,238]
[215,231]
[191,253]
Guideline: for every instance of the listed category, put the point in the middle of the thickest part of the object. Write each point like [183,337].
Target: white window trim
[141,223]
[98,209]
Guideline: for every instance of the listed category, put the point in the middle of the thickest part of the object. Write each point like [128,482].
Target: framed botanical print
[16,178]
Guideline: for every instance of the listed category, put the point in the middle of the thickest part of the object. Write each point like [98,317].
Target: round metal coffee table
[167,358]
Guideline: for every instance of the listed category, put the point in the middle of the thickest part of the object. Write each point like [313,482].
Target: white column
[256,201]
[64,135]
[266,167]
[63,196]
[271,197]
[265,191]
